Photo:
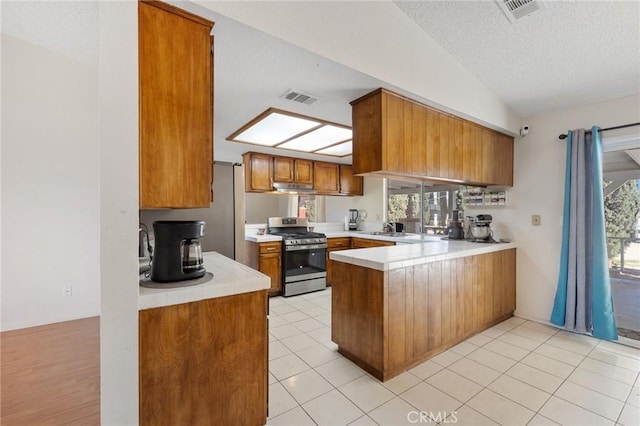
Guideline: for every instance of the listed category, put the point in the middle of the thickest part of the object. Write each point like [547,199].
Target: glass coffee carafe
[191,255]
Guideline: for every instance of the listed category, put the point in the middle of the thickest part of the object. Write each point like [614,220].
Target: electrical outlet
[67,290]
[536,220]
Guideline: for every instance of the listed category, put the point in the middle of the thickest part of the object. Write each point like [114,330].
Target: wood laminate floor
[50,375]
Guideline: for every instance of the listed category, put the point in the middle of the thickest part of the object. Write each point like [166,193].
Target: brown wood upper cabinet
[176,114]
[350,184]
[327,178]
[292,170]
[258,172]
[262,170]
[396,136]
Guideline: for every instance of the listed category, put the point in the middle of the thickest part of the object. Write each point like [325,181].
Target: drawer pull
[271,248]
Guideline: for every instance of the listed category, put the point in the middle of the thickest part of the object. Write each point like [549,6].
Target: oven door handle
[306,247]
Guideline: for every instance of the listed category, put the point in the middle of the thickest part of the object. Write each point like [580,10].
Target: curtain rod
[563,136]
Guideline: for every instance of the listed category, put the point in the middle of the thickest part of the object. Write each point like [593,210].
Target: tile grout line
[572,403]
[476,346]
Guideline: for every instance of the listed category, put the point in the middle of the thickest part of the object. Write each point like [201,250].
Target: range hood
[293,188]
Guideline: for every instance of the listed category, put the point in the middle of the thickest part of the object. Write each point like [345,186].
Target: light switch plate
[536,220]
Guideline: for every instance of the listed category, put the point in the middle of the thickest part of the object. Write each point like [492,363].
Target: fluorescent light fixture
[318,139]
[287,130]
[274,128]
[340,150]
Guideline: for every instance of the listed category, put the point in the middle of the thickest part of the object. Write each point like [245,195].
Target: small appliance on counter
[177,255]
[480,229]
[455,228]
[354,217]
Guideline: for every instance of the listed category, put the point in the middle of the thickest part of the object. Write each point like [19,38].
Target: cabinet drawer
[364,243]
[273,247]
[339,242]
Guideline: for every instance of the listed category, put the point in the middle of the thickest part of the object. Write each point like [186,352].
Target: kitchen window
[422,208]
[312,207]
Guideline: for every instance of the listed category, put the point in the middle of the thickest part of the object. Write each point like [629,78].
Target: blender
[354,215]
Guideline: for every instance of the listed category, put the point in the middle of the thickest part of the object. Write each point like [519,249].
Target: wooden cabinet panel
[326,177]
[472,152]
[266,258]
[433,143]
[456,150]
[176,114]
[258,172]
[335,244]
[447,139]
[205,362]
[271,265]
[365,243]
[270,247]
[341,243]
[419,135]
[357,320]
[393,125]
[350,184]
[367,123]
[292,170]
[303,171]
[504,150]
[282,169]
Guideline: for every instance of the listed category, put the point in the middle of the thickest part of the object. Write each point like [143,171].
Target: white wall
[376,38]
[372,200]
[50,184]
[119,212]
[539,189]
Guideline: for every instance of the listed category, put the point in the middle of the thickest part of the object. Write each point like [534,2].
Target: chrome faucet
[388,226]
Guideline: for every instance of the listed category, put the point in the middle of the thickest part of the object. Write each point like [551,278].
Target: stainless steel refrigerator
[224,229]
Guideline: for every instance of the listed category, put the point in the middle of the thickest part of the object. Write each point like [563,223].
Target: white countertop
[404,255]
[229,278]
[262,238]
[408,239]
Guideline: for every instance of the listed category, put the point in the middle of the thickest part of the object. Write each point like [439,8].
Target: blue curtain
[583,299]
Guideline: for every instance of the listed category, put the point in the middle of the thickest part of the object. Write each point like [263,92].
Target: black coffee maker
[178,254]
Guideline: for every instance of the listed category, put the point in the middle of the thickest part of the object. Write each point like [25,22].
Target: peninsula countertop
[428,250]
[229,278]
[407,239]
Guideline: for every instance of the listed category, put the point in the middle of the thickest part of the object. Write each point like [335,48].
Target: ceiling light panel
[339,150]
[319,138]
[274,129]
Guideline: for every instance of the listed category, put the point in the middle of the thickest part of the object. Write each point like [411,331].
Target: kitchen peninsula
[203,349]
[394,307]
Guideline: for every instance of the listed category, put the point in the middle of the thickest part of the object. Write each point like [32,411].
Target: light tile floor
[516,373]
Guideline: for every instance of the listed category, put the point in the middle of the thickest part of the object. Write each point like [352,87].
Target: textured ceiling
[569,54]
[67,27]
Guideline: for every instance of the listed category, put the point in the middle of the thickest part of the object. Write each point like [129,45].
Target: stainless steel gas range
[304,261]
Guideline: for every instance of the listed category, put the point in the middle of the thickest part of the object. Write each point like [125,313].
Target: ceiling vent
[516,9]
[299,97]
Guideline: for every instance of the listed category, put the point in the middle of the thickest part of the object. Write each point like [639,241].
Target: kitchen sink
[386,233]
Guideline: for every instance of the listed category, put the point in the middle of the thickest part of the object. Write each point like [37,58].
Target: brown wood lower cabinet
[365,243]
[205,363]
[335,244]
[390,321]
[267,258]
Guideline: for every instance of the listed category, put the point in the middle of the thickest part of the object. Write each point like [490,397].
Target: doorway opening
[622,221]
